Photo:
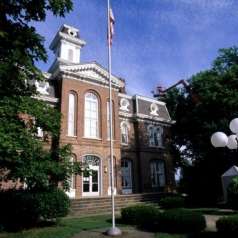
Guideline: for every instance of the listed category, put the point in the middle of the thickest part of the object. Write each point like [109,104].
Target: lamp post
[220,139]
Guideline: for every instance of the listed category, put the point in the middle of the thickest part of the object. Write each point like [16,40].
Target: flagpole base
[113,231]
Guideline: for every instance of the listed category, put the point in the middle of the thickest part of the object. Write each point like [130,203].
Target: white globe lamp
[219,139]
[234,125]
[232,142]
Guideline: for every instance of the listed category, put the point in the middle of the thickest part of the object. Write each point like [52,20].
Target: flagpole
[113,231]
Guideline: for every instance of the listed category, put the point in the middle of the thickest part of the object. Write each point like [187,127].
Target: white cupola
[66,46]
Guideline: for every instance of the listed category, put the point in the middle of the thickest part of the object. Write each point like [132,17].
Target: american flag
[111,26]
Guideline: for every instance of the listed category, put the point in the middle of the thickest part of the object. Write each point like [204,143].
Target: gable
[93,72]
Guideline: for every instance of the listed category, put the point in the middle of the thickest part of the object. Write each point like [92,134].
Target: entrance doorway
[126,169]
[91,180]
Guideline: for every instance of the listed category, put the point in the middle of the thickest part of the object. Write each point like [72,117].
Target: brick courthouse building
[140,124]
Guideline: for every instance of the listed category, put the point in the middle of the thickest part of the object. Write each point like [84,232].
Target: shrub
[141,215]
[150,217]
[52,204]
[172,202]
[23,208]
[232,192]
[228,226]
[181,221]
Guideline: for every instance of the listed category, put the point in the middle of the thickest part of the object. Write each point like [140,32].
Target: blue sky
[156,42]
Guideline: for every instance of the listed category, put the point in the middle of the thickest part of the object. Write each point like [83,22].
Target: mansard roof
[143,108]
[91,72]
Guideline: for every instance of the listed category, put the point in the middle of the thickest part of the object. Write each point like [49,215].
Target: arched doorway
[126,170]
[91,180]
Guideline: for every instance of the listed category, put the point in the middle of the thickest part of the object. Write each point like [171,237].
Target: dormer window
[154,109]
[124,104]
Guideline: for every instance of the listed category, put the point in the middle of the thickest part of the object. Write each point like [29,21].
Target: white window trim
[154,108]
[158,173]
[125,123]
[154,130]
[70,122]
[124,107]
[97,117]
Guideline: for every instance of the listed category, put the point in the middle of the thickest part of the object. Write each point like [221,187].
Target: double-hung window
[124,133]
[157,173]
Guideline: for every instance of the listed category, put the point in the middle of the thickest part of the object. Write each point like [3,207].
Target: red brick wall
[84,146]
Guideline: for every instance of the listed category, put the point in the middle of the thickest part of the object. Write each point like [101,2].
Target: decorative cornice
[142,117]
[95,67]
[46,98]
[152,118]
[61,35]
[126,114]
[125,95]
[149,100]
[83,78]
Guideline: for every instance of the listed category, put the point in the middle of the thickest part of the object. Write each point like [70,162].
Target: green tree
[23,157]
[208,106]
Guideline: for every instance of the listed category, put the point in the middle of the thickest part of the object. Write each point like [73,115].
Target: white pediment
[92,71]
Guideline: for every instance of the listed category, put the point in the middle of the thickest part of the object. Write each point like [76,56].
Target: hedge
[181,221]
[172,202]
[140,215]
[228,226]
[177,220]
[22,208]
[232,194]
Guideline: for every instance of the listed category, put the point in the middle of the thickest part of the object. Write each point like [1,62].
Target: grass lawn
[65,229]
[69,227]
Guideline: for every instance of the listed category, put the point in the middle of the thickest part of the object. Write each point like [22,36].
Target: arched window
[124,133]
[72,114]
[70,55]
[157,173]
[91,116]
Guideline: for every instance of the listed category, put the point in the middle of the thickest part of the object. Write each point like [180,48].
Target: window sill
[157,147]
[124,144]
[92,138]
[73,137]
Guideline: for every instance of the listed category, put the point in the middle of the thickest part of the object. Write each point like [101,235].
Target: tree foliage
[208,106]
[23,157]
